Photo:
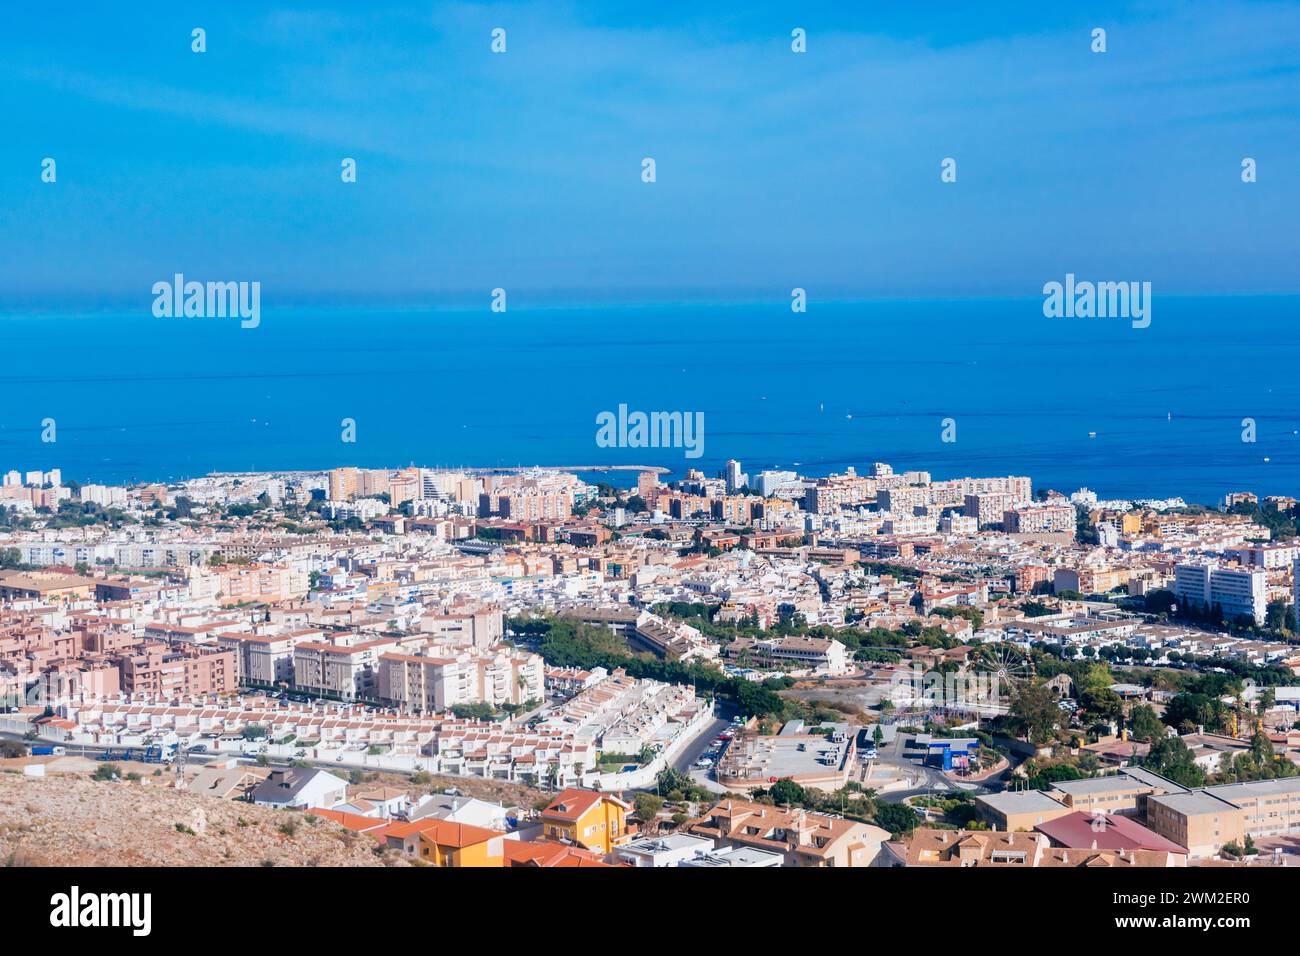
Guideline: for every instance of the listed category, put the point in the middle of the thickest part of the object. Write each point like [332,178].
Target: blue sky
[775,170]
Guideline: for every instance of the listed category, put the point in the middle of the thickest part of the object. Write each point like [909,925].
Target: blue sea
[1127,412]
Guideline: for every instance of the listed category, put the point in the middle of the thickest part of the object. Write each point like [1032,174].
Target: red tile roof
[353,821]
[548,854]
[574,802]
[1079,830]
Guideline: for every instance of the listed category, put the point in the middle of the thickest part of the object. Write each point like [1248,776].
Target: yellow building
[443,843]
[585,818]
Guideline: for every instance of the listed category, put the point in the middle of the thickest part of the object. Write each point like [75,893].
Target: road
[91,751]
[701,743]
[931,780]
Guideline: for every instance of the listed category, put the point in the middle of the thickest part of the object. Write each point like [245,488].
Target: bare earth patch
[77,821]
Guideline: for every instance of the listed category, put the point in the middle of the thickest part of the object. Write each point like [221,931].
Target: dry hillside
[69,820]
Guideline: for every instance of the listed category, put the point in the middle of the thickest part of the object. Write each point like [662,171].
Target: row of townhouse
[561,750]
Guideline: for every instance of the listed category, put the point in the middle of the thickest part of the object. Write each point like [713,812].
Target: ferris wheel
[1006,664]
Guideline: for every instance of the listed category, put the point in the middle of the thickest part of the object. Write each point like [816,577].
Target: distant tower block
[647,487]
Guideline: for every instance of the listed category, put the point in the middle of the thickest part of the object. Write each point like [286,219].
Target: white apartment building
[362,508]
[1039,519]
[988,507]
[342,672]
[903,501]
[910,524]
[437,681]
[958,524]
[825,655]
[1268,556]
[106,496]
[266,660]
[477,627]
[1235,590]
[770,481]
[734,477]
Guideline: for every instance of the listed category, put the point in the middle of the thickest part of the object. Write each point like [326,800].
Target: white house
[670,850]
[300,788]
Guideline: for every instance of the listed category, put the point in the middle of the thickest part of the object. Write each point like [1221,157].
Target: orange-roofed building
[586,818]
[355,822]
[443,843]
[545,853]
[57,723]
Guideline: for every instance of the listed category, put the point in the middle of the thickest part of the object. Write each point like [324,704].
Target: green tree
[1035,713]
[897,818]
[1188,711]
[787,793]
[1102,703]
[1043,777]
[1171,758]
[1261,748]
[1144,725]
[648,805]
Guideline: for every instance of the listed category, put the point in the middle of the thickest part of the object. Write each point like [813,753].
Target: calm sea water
[135,396]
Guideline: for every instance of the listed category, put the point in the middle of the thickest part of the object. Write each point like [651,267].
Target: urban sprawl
[524,668]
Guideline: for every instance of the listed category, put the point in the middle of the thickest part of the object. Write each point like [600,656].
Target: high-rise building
[345,483]
[1235,591]
[1036,519]
[770,481]
[735,478]
[1295,587]
[988,507]
[647,488]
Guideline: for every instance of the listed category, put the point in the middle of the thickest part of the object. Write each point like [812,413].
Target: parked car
[199,749]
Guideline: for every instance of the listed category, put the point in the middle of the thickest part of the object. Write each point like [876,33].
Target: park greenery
[563,642]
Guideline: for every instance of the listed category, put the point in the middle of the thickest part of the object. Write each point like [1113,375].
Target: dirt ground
[496,791]
[73,820]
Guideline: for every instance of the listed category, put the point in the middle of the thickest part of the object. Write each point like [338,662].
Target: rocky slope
[77,821]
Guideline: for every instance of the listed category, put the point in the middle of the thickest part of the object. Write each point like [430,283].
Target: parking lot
[790,757]
[713,748]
